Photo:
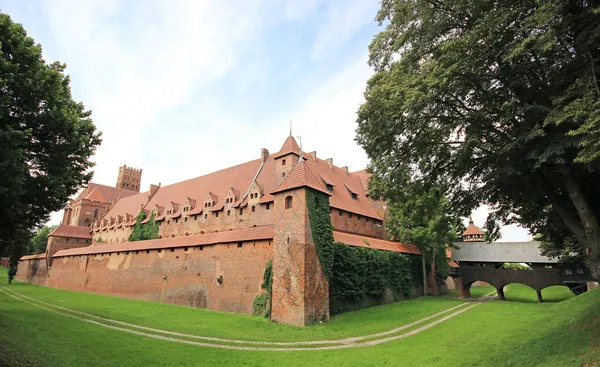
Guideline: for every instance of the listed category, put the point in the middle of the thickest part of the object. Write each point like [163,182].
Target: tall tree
[500,102]
[40,240]
[422,216]
[46,138]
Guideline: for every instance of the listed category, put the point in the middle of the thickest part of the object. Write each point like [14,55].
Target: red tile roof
[300,176]
[370,242]
[472,229]
[240,177]
[104,193]
[72,231]
[234,235]
[289,146]
[30,257]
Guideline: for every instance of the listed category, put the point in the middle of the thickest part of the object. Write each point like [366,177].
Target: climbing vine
[262,302]
[358,277]
[145,231]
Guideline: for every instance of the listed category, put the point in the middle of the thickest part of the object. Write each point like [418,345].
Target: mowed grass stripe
[222,325]
[352,340]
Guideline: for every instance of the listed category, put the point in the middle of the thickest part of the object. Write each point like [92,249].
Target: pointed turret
[473,233]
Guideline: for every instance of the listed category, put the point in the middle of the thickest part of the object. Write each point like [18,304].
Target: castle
[216,234]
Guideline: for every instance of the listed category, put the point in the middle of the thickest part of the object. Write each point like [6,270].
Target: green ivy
[146,231]
[358,277]
[262,302]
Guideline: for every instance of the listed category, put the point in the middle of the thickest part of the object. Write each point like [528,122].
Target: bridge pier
[464,290]
[539,295]
[500,292]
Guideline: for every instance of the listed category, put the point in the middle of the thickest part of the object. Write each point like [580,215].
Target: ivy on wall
[262,302]
[145,231]
[358,277]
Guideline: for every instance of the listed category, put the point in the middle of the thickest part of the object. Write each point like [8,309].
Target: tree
[46,138]
[40,240]
[499,102]
[421,216]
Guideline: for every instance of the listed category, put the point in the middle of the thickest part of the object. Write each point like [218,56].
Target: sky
[185,88]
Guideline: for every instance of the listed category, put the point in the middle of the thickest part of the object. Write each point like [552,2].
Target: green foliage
[40,240]
[144,231]
[262,302]
[362,276]
[46,139]
[515,266]
[358,277]
[497,102]
[99,239]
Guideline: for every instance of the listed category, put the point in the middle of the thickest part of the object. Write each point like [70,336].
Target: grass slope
[559,334]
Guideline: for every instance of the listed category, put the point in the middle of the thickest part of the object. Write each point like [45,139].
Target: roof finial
[301,159]
[290,127]
[471,219]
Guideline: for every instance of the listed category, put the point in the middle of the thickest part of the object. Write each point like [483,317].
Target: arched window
[86,222]
[95,213]
[288,202]
[283,162]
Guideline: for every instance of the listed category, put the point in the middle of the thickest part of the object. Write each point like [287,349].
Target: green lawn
[476,292]
[522,293]
[547,334]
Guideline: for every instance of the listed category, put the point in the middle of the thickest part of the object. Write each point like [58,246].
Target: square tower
[129,178]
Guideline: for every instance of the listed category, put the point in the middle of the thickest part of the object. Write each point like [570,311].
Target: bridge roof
[512,252]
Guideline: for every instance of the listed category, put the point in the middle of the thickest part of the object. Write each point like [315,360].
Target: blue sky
[184,88]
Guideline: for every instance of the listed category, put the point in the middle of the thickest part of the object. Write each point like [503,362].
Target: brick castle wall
[191,275]
[33,271]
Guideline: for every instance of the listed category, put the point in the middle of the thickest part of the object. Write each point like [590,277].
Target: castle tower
[286,159]
[300,293]
[129,178]
[473,233]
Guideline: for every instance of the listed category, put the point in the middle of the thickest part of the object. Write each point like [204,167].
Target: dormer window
[354,196]
[329,187]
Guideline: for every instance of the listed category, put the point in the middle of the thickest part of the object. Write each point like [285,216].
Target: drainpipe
[162,295]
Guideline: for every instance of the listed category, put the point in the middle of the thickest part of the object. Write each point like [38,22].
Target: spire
[290,127]
[289,146]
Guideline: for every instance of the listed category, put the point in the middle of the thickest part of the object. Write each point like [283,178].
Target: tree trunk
[589,222]
[424,271]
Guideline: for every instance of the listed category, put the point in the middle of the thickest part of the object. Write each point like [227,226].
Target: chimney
[153,190]
[313,155]
[345,169]
[330,163]
[264,154]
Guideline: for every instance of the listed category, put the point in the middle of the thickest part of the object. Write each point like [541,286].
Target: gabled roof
[71,231]
[103,193]
[289,146]
[241,177]
[32,257]
[300,176]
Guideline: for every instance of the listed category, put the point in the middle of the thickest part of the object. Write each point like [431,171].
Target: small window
[217,214]
[185,220]
[185,249]
[354,196]
[359,218]
[283,174]
[268,206]
[159,251]
[288,202]
[240,244]
[228,212]
[205,216]
[253,208]
[241,211]
[172,250]
[350,215]
[176,220]
[201,248]
[147,251]
[329,187]
[283,162]
[340,212]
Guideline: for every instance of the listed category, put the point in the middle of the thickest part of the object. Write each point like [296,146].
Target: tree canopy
[498,102]
[423,217]
[39,241]
[46,138]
